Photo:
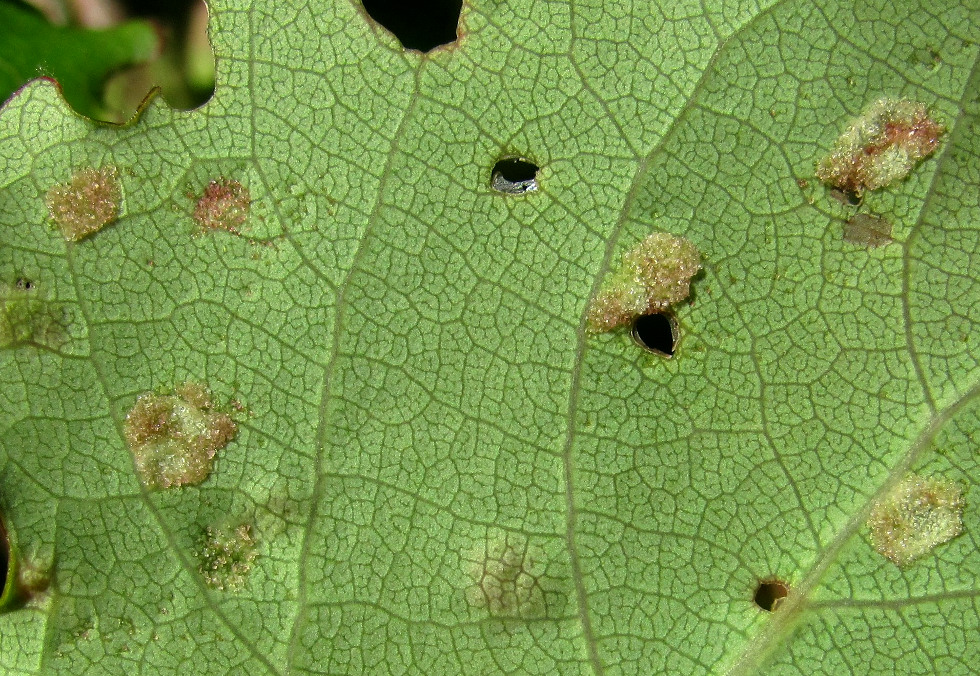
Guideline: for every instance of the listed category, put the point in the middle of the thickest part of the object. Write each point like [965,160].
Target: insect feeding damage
[916,516]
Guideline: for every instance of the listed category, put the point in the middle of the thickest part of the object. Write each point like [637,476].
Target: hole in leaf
[23,582]
[770,593]
[848,199]
[4,558]
[418,24]
[657,333]
[514,176]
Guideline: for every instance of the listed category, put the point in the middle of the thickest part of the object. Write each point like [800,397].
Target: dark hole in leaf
[657,333]
[24,284]
[514,176]
[770,593]
[847,198]
[4,557]
[418,24]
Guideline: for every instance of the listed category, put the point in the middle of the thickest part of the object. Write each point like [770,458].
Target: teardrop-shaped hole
[657,333]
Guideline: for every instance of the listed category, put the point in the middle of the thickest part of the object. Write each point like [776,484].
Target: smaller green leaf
[78,59]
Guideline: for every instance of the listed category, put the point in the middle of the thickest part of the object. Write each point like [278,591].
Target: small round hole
[770,593]
[657,333]
[514,176]
[418,24]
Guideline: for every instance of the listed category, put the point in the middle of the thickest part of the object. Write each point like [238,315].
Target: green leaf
[438,469]
[78,59]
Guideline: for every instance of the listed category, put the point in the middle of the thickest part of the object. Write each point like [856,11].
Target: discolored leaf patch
[223,206]
[226,556]
[654,275]
[505,579]
[28,319]
[174,438]
[881,146]
[869,231]
[915,517]
[87,203]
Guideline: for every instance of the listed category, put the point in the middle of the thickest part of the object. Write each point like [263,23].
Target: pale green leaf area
[418,384]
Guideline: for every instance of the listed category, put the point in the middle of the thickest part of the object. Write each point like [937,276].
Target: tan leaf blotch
[506,578]
[869,231]
[87,203]
[916,516]
[654,275]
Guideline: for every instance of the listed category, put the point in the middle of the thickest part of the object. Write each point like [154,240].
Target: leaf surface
[419,389]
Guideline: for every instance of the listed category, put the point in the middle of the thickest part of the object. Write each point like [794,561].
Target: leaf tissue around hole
[653,276]
[657,333]
[174,438]
[916,516]
[418,24]
[770,593]
[514,176]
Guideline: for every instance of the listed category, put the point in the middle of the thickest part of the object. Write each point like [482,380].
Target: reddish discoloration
[880,147]
[223,206]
